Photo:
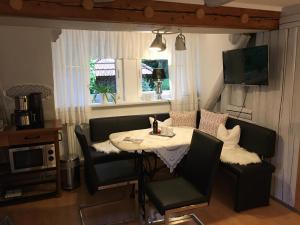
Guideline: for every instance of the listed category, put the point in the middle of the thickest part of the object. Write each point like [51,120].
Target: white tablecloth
[169,150]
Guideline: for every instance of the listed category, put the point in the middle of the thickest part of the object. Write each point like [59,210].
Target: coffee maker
[29,111]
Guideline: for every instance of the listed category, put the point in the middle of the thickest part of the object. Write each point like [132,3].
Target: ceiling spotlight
[180,42]
[158,44]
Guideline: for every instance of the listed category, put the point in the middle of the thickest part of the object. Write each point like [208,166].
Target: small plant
[106,91]
[101,85]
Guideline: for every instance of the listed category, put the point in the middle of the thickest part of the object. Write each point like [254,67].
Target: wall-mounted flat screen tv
[247,66]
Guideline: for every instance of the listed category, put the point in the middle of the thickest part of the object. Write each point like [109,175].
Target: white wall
[95,112]
[212,46]
[25,58]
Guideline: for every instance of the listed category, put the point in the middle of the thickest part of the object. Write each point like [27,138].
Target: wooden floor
[65,210]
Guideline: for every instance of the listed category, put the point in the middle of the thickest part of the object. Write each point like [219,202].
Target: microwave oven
[24,159]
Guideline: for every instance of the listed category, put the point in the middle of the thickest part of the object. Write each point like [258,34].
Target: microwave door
[27,159]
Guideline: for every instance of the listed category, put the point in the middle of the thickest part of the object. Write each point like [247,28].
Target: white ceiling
[280,3]
[276,5]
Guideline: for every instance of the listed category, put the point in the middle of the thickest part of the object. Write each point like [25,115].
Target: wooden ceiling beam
[147,12]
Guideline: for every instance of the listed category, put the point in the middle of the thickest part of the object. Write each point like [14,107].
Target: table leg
[141,183]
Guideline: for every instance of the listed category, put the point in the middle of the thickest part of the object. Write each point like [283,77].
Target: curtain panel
[73,51]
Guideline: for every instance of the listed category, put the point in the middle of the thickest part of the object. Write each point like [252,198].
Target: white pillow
[106,147]
[230,137]
[165,123]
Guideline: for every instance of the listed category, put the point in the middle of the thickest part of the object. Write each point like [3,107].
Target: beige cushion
[183,119]
[210,121]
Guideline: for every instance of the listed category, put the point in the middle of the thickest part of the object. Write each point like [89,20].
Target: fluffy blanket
[232,152]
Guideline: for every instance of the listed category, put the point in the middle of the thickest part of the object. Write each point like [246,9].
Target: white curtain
[73,51]
[277,107]
[183,73]
[4,109]
[71,76]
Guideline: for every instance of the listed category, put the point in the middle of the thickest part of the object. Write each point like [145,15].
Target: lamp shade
[180,43]
[158,74]
[157,44]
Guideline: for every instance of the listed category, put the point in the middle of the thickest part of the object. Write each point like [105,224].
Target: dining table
[170,149]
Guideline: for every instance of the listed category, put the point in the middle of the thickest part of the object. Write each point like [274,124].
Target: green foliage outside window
[105,85]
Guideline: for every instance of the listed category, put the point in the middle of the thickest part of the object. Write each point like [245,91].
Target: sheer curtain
[4,112]
[71,76]
[277,106]
[73,50]
[183,74]
[71,84]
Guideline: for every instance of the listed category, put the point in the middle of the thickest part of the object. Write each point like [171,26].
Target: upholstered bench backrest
[101,128]
[253,137]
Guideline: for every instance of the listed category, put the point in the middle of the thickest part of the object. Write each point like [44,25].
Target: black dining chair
[107,172]
[192,189]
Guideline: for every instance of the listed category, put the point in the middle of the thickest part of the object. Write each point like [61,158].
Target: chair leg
[136,198]
[132,193]
[167,218]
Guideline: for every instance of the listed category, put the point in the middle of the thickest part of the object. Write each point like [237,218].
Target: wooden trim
[148,12]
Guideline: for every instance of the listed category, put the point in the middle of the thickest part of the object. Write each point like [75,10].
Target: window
[103,82]
[121,80]
[147,68]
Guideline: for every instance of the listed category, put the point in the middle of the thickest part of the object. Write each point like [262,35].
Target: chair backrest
[83,143]
[202,161]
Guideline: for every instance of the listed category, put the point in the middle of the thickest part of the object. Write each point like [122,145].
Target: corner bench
[251,183]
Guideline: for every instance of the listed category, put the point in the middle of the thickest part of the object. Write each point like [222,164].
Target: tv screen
[247,66]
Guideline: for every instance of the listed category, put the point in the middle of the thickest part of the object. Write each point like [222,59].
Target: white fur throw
[232,152]
[106,147]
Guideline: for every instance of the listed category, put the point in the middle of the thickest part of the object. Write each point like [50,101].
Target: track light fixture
[159,42]
[180,42]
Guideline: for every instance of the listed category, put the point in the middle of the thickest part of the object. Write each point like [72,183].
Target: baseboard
[285,205]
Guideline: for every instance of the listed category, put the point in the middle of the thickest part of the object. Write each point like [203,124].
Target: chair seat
[173,193]
[115,172]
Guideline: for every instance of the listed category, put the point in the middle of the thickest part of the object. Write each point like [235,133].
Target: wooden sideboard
[45,178]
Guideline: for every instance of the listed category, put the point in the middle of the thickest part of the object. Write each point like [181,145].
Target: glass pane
[148,83]
[103,80]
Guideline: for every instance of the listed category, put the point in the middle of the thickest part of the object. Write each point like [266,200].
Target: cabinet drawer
[31,138]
